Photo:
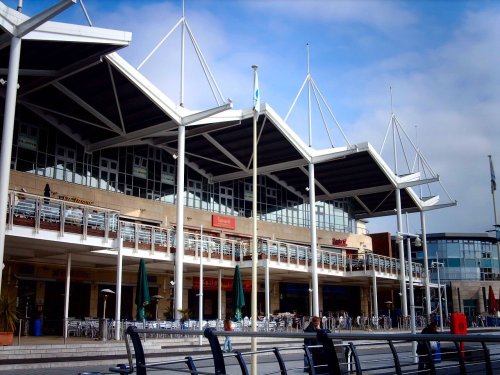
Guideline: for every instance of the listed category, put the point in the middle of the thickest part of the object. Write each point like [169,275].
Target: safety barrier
[338,354]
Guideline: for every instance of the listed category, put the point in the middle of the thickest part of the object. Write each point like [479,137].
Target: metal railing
[335,354]
[67,216]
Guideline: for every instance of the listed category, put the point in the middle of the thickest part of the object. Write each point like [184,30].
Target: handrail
[73,217]
[398,359]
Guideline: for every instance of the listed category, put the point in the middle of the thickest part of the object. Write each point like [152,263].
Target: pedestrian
[314,326]
[46,193]
[423,355]
[228,326]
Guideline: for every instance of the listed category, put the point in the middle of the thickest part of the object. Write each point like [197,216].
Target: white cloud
[443,68]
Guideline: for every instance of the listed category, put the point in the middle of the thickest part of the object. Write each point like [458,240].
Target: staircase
[55,354]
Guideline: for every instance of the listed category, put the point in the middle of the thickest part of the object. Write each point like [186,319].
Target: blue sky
[441,59]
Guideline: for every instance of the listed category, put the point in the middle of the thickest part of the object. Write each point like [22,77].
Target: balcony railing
[71,217]
[60,215]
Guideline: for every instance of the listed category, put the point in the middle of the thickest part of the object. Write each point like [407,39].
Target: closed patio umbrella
[492,302]
[238,295]
[142,291]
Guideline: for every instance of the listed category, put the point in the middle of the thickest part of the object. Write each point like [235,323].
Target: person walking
[423,356]
[228,326]
[46,193]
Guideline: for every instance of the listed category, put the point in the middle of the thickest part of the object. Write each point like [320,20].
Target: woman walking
[228,326]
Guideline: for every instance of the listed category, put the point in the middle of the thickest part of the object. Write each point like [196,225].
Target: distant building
[470,265]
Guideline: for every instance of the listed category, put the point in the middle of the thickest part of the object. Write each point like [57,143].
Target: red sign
[336,242]
[213,284]
[226,222]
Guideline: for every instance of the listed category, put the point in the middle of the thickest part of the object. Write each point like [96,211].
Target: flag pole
[256,108]
[493,189]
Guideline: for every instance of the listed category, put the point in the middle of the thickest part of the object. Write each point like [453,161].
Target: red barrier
[458,326]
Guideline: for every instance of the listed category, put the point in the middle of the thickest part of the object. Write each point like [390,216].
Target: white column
[314,242]
[119,275]
[445,303]
[266,292]
[179,249]
[412,299]
[8,132]
[399,241]
[439,294]
[200,302]
[426,267]
[375,298]
[219,294]
[66,294]
[254,236]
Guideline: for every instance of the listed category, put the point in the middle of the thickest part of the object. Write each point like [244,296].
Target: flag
[493,181]
[256,93]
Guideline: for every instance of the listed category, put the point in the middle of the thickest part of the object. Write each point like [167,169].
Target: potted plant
[8,319]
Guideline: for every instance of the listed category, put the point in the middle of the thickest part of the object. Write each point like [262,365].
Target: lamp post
[103,326]
[418,243]
[437,265]
[105,293]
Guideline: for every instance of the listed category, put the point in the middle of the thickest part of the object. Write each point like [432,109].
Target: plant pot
[6,338]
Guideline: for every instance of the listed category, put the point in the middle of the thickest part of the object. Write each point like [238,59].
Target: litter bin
[103,329]
[458,326]
[37,327]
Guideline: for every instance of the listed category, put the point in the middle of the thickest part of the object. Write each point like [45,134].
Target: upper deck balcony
[67,217]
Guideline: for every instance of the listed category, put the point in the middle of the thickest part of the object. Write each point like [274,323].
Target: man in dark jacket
[423,358]
[314,326]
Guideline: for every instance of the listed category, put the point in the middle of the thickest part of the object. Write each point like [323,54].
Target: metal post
[254,230]
[439,292]
[66,295]
[412,300]
[219,295]
[445,303]
[266,281]
[119,272]
[399,241]
[314,245]
[179,249]
[200,308]
[426,267]
[375,299]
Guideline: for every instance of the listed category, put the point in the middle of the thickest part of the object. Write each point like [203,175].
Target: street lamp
[105,293]
[437,265]
[103,331]
[417,243]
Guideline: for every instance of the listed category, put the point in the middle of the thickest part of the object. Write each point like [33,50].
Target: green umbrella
[238,296]
[142,291]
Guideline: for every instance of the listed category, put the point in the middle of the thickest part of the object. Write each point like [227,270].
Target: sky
[434,65]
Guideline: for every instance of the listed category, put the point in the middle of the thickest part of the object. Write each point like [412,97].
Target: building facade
[93,180]
[468,267]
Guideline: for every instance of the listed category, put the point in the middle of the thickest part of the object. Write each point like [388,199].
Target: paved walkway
[294,365]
